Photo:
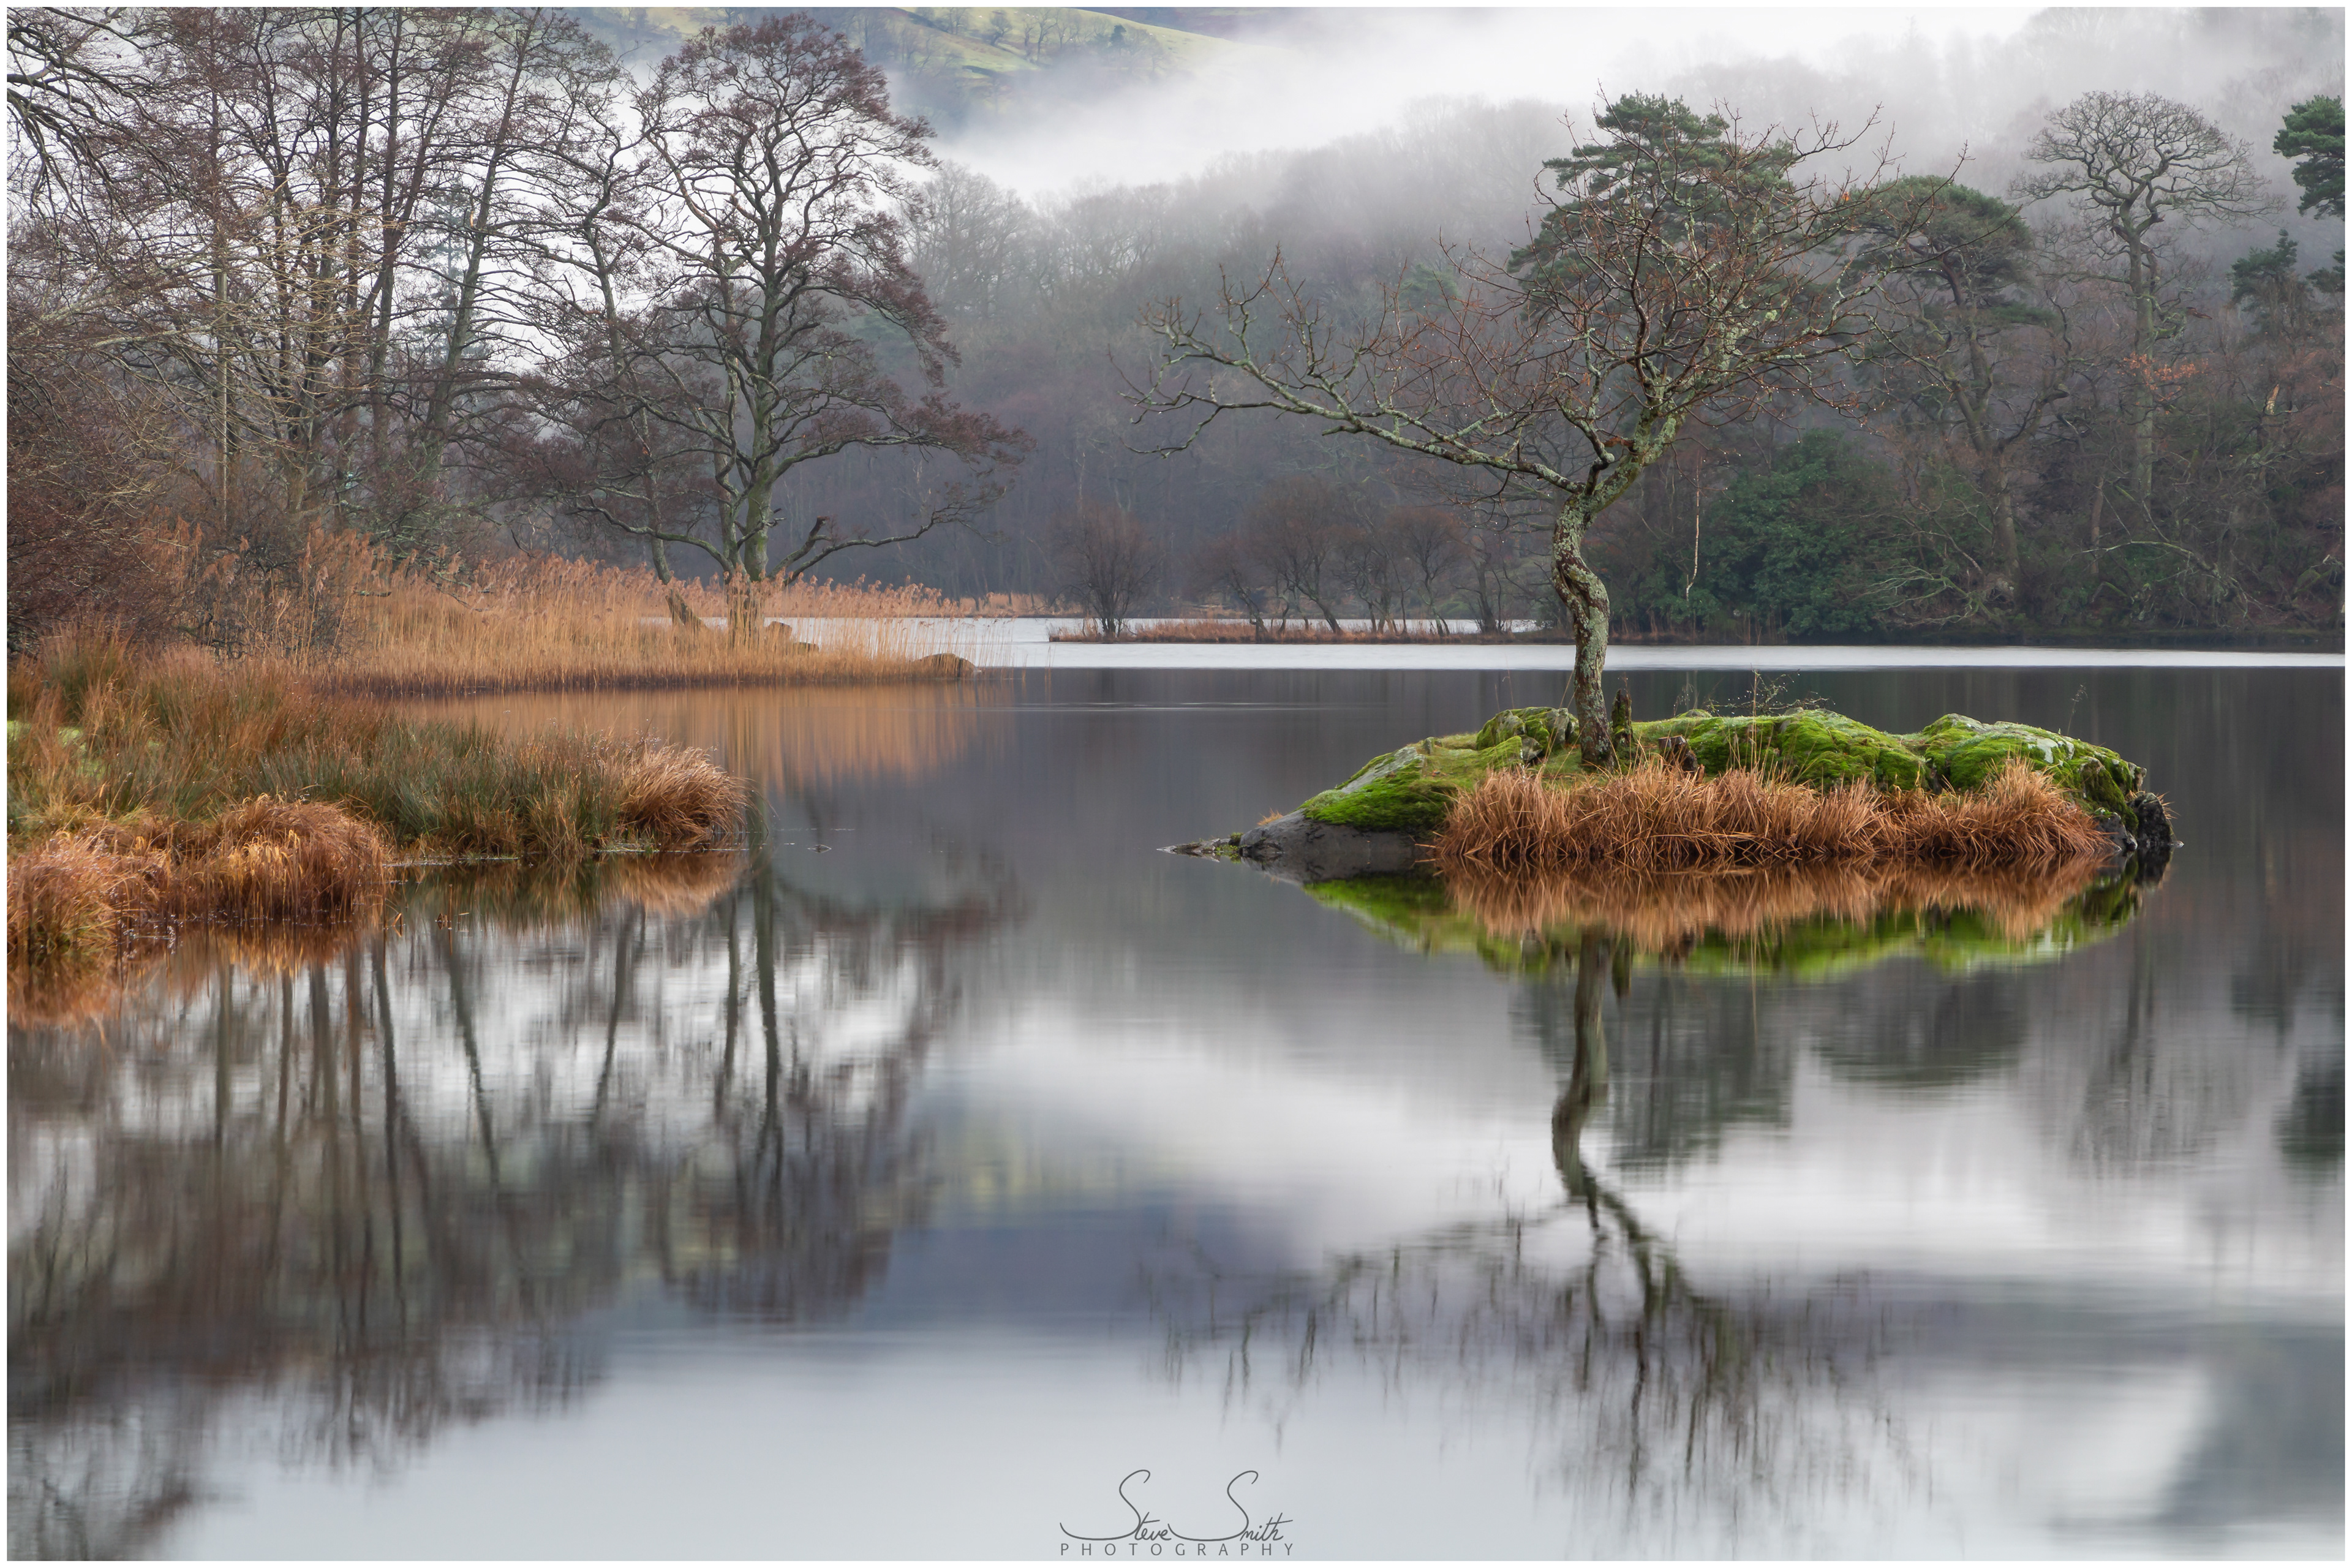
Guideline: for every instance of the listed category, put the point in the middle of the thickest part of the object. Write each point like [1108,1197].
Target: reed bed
[811,735]
[1668,911]
[146,792]
[101,735]
[1656,818]
[546,624]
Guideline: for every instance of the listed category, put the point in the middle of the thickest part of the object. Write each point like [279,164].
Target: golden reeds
[800,736]
[542,623]
[1656,818]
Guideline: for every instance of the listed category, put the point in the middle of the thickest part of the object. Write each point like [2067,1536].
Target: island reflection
[1803,921]
[1691,1404]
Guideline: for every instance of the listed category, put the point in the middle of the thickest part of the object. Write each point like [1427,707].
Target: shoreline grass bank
[151,791]
[544,624]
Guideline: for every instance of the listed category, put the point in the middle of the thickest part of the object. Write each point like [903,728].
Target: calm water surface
[902,1185]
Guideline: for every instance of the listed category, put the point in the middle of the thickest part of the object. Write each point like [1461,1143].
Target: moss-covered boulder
[1409,790]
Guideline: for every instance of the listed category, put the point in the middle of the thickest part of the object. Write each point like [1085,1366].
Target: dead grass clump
[677,799]
[77,899]
[2018,817]
[1654,818]
[269,859]
[70,900]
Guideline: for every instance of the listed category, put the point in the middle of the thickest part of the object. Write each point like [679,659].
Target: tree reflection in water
[378,1189]
[1696,1414]
[1672,1410]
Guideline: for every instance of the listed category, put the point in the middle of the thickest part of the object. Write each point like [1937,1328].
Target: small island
[1702,791]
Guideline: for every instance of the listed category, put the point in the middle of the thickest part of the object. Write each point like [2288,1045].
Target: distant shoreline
[1239,634]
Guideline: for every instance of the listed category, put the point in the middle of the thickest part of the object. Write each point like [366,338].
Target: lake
[953,1173]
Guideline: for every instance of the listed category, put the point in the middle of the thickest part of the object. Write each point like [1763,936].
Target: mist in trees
[467,281]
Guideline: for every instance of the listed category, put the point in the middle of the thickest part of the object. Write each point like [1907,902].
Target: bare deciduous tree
[1105,561]
[1433,542]
[777,268]
[1298,529]
[1680,275]
[2132,161]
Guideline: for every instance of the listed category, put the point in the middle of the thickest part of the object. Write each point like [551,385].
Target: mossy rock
[1410,790]
[1811,746]
[1966,753]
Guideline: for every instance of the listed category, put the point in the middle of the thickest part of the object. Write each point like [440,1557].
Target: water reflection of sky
[1022,1156]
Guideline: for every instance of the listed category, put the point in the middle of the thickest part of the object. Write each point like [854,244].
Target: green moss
[1811,746]
[1395,803]
[1409,790]
[1966,753]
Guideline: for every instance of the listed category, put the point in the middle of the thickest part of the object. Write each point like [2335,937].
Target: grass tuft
[1656,818]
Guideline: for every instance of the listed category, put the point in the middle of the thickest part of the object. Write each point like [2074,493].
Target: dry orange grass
[542,623]
[1666,911]
[275,860]
[76,898]
[1654,818]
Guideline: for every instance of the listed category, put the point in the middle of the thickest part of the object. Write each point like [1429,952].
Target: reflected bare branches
[1673,1409]
[388,1187]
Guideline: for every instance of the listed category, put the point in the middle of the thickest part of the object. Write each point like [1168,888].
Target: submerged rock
[1299,848]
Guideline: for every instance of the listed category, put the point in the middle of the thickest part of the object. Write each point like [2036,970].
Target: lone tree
[2133,162]
[1680,275]
[1104,560]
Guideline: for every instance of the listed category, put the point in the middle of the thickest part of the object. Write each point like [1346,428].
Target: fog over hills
[1143,95]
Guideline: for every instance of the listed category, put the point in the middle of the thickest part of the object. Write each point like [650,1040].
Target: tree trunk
[2004,524]
[2142,281]
[1585,598]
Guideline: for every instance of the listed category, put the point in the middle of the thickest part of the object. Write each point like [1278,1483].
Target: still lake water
[903,1186]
